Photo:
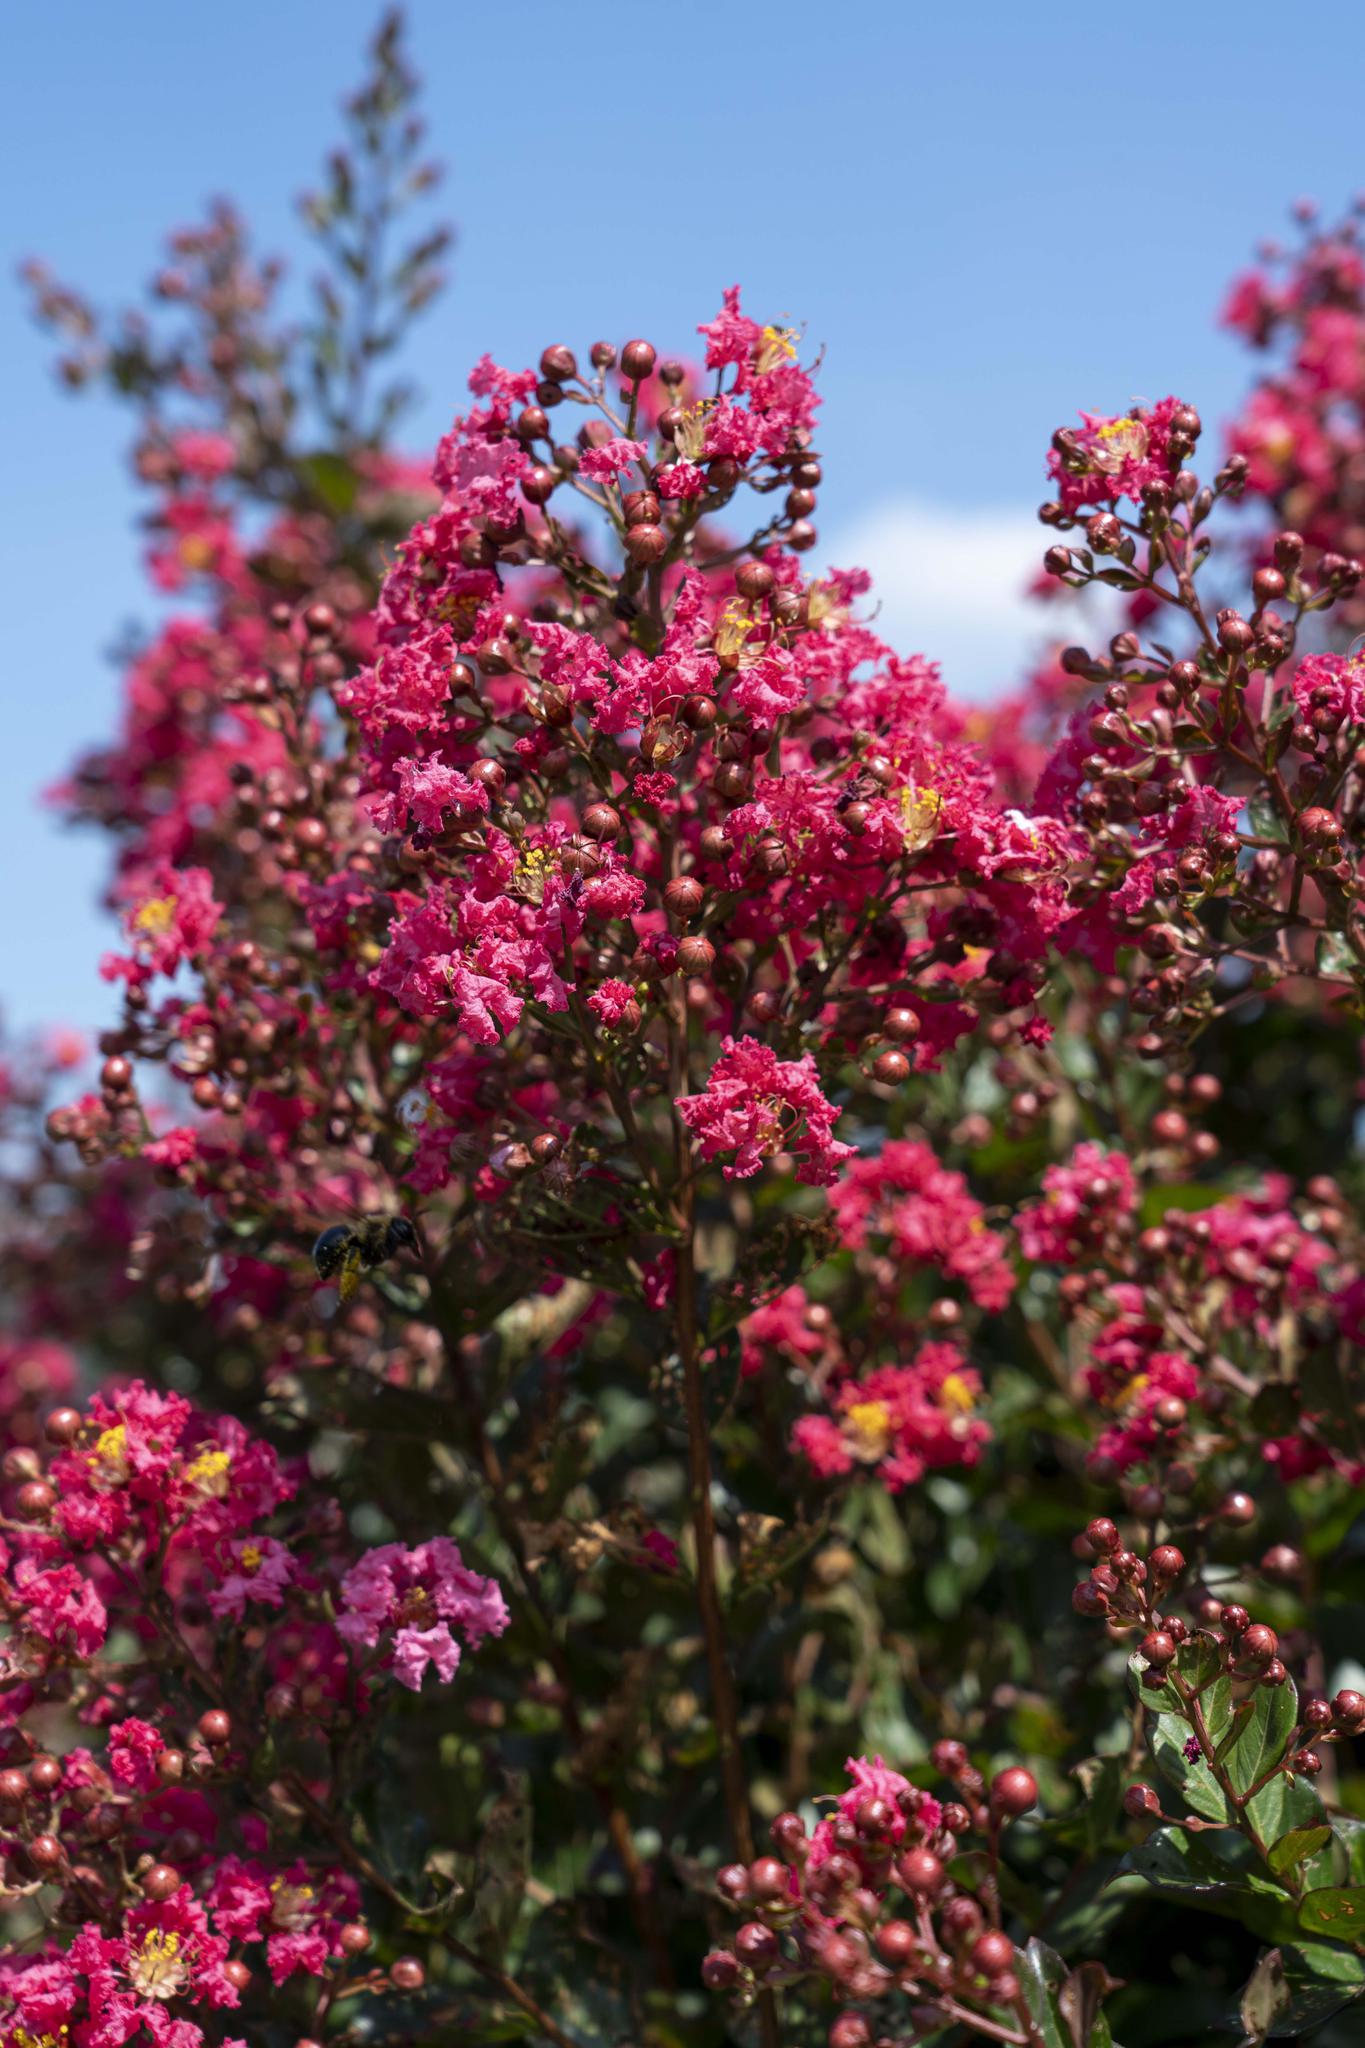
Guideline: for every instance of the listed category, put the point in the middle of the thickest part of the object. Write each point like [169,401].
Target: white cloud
[952,585]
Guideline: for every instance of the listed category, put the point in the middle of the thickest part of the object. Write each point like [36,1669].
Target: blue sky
[989,215]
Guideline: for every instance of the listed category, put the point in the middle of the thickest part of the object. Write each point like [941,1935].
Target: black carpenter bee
[350,1249]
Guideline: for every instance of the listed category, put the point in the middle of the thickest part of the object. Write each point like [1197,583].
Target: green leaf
[1192,1777]
[1322,1980]
[1263,814]
[1350,1832]
[1266,1996]
[1221,1870]
[331,479]
[1337,1913]
[1297,1846]
[1258,1732]
[1065,2004]
[1283,1805]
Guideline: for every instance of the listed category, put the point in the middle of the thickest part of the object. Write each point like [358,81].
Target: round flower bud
[874,1816]
[601,821]
[789,1833]
[719,1970]
[496,657]
[646,544]
[355,1938]
[684,896]
[732,1882]
[45,1853]
[757,1946]
[1166,1562]
[408,1974]
[641,508]
[558,364]
[160,1881]
[920,1872]
[961,1920]
[768,1879]
[44,1773]
[1102,1535]
[1233,1618]
[35,1501]
[1238,1509]
[1282,1565]
[1348,1710]
[754,579]
[695,955]
[993,1952]
[891,1068]
[637,360]
[1140,1801]
[949,1758]
[1307,1763]
[63,1426]
[602,355]
[1259,1644]
[538,485]
[901,1025]
[215,1727]
[1013,1791]
[896,1943]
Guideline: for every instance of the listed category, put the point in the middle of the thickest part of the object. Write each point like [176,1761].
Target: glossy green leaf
[1297,1846]
[1066,2004]
[1337,1913]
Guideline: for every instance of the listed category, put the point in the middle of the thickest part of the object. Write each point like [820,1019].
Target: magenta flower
[755,1105]
[425,1596]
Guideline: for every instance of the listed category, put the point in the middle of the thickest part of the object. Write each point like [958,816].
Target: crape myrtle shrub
[695,1373]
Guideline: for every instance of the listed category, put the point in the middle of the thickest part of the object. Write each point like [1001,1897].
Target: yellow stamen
[159,1969]
[919,816]
[156,916]
[1119,440]
[731,640]
[532,871]
[689,435]
[250,1558]
[777,346]
[209,1472]
[957,1395]
[111,1454]
[867,1426]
